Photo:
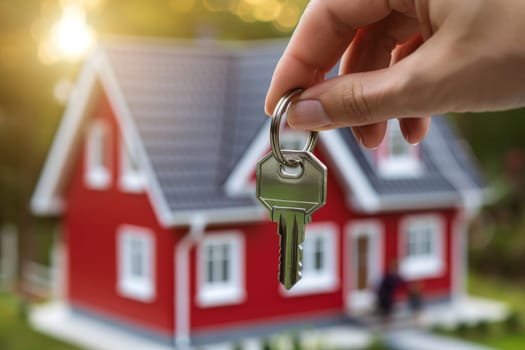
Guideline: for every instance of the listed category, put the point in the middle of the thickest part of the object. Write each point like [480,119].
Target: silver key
[291,195]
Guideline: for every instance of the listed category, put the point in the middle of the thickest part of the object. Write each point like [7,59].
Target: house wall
[265,301]
[91,221]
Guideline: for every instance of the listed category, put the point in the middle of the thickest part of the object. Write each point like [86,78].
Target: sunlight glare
[71,37]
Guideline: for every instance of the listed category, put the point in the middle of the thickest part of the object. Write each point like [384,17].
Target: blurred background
[42,46]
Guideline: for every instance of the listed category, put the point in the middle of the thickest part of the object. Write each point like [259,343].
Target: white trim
[220,215]
[357,301]
[142,288]
[431,266]
[328,280]
[398,166]
[130,180]
[98,145]
[131,138]
[459,261]
[182,283]
[46,199]
[233,290]
[358,189]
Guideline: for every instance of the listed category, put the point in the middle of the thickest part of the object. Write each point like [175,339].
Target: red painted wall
[93,217]
[91,222]
[264,302]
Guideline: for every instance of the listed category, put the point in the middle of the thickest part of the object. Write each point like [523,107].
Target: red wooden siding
[92,219]
[91,222]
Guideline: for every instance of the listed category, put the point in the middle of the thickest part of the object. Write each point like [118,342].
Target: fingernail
[308,115]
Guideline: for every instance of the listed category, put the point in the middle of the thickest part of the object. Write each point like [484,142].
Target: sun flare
[70,38]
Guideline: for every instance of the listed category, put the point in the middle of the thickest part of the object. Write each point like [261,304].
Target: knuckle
[355,105]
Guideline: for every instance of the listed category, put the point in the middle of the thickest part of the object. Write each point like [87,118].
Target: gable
[446,179]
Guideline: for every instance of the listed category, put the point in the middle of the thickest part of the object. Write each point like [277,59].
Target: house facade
[152,175]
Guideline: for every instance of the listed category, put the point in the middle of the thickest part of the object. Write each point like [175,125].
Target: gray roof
[197,108]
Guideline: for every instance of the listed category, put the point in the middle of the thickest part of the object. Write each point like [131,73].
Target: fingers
[413,129]
[408,88]
[324,32]
[371,50]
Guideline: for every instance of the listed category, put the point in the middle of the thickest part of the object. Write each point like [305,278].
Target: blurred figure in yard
[415,301]
[390,283]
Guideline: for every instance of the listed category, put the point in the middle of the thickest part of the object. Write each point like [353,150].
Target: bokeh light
[69,39]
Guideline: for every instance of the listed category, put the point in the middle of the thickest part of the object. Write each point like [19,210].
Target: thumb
[400,91]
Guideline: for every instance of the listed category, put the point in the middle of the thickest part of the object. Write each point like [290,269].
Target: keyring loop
[280,110]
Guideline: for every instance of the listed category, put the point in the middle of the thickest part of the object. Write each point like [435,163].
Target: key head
[302,187]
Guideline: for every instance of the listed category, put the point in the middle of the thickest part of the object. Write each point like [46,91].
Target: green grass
[513,294]
[16,334]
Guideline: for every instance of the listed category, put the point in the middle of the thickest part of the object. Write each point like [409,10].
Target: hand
[404,59]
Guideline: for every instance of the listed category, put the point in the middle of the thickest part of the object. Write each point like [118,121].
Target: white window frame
[317,282]
[398,166]
[431,265]
[293,139]
[98,174]
[219,293]
[130,286]
[131,180]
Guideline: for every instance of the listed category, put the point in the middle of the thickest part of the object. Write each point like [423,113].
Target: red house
[152,176]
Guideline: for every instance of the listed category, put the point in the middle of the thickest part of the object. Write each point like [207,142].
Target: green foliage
[15,333]
[377,344]
[237,346]
[513,322]
[267,344]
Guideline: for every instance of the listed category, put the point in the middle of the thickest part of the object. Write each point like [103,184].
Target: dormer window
[131,177]
[293,139]
[396,157]
[98,173]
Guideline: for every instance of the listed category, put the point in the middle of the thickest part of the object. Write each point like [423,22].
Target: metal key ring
[280,110]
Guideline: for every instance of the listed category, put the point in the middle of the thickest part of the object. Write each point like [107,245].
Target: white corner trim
[239,180]
[413,268]
[355,181]
[46,199]
[182,287]
[232,292]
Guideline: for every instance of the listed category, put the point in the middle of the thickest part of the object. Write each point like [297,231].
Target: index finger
[324,32]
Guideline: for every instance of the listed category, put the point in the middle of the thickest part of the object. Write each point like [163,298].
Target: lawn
[511,293]
[16,334]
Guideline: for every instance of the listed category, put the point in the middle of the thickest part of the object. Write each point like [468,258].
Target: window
[98,174]
[319,272]
[422,247]
[293,139]
[396,157]
[221,281]
[136,256]
[131,177]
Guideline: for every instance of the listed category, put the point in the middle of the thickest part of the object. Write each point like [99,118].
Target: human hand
[405,59]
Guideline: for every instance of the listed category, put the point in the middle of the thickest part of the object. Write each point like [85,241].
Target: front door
[366,260]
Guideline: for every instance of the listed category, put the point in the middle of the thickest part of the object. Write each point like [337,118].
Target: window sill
[98,179]
[141,291]
[400,168]
[132,183]
[316,284]
[419,268]
[209,297]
